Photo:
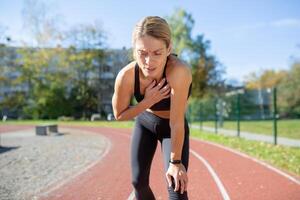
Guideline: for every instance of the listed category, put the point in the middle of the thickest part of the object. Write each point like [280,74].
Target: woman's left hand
[178,172]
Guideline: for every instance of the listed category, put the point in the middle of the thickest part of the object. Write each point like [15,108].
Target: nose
[149,60]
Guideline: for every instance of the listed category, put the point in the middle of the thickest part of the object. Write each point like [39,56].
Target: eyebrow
[153,51]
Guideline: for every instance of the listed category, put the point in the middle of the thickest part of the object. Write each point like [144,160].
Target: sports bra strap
[136,80]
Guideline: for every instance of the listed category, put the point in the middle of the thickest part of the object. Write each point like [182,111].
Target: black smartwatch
[175,161]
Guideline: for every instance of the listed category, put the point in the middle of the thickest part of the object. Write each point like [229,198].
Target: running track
[214,172]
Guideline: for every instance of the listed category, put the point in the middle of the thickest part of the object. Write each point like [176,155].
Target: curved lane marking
[214,175]
[211,171]
[61,183]
[291,178]
[131,196]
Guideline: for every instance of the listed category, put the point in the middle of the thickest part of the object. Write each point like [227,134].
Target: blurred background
[59,59]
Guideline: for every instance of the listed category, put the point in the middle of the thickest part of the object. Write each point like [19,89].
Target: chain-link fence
[257,114]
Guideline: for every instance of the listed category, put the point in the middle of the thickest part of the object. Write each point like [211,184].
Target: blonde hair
[153,26]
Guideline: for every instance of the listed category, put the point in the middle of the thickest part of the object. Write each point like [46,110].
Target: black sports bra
[163,104]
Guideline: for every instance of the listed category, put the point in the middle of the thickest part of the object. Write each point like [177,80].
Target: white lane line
[291,178]
[214,175]
[131,196]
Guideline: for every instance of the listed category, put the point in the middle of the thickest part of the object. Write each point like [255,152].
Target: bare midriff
[163,114]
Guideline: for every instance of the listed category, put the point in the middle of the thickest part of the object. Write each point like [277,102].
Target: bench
[46,129]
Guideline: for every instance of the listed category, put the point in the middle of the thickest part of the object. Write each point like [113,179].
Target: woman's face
[151,55]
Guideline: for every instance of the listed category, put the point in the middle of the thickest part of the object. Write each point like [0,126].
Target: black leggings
[148,129]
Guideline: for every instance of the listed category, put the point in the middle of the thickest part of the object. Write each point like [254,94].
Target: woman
[161,84]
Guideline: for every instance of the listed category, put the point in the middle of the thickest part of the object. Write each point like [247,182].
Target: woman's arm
[179,82]
[179,79]
[123,93]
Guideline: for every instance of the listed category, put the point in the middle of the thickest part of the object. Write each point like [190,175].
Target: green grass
[115,124]
[285,158]
[285,128]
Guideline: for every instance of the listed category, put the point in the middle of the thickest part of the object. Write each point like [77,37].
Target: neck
[157,79]
[150,79]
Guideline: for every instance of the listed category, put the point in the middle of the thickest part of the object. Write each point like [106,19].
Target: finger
[176,184]
[165,88]
[161,83]
[165,96]
[182,186]
[186,185]
[166,92]
[186,181]
[152,84]
[169,180]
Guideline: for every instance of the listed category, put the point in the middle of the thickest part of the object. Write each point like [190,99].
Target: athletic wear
[148,130]
[163,104]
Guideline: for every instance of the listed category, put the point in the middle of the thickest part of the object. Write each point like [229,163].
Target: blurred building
[113,61]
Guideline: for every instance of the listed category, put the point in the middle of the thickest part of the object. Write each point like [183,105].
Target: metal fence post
[275,115]
[216,116]
[3,120]
[201,116]
[238,105]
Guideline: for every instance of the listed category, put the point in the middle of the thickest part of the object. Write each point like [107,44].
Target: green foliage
[43,71]
[288,93]
[59,81]
[203,109]
[206,70]
[87,43]
[14,103]
[286,158]
[56,81]
[266,79]
[54,102]
[67,121]
[285,128]
[181,24]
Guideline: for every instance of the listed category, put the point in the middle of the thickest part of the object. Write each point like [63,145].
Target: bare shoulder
[126,73]
[177,70]
[125,77]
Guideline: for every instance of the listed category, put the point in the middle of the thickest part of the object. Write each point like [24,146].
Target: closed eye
[143,53]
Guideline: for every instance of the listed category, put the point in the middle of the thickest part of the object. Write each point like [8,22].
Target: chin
[149,74]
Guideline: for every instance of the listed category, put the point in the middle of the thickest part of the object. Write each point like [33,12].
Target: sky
[246,36]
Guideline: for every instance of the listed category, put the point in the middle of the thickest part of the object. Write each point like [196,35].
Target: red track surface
[11,128]
[110,177]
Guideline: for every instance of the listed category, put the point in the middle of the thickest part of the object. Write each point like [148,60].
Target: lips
[150,69]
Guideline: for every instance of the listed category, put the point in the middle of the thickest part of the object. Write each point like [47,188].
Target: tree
[41,64]
[264,80]
[86,55]
[41,23]
[7,66]
[4,38]
[206,70]
[288,92]
[181,24]
[58,81]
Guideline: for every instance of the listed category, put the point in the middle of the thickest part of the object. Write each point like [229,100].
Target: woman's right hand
[155,93]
